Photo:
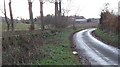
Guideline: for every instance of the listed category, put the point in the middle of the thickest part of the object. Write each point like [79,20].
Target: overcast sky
[86,8]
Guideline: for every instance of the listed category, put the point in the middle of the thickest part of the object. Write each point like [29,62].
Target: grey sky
[87,8]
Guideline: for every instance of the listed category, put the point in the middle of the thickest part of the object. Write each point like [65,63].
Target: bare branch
[51,1]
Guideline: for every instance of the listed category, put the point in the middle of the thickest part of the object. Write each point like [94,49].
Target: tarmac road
[95,51]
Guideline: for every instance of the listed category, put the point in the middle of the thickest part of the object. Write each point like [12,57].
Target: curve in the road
[97,52]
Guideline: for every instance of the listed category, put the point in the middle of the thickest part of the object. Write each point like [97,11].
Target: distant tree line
[50,21]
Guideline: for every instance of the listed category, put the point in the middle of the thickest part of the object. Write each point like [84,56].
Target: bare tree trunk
[59,7]
[41,13]
[11,16]
[31,16]
[59,14]
[56,13]
[8,25]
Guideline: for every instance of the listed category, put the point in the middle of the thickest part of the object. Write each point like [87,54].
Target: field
[18,26]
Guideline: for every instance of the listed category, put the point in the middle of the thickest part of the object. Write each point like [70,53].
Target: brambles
[47,47]
[109,22]
[23,47]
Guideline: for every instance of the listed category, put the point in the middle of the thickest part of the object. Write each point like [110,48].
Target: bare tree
[58,19]
[31,15]
[8,25]
[11,16]
[56,12]
[59,7]
[41,13]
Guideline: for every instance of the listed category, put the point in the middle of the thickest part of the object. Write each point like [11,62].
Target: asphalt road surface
[96,52]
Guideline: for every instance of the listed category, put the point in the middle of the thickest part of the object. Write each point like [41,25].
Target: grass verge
[110,39]
[60,53]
